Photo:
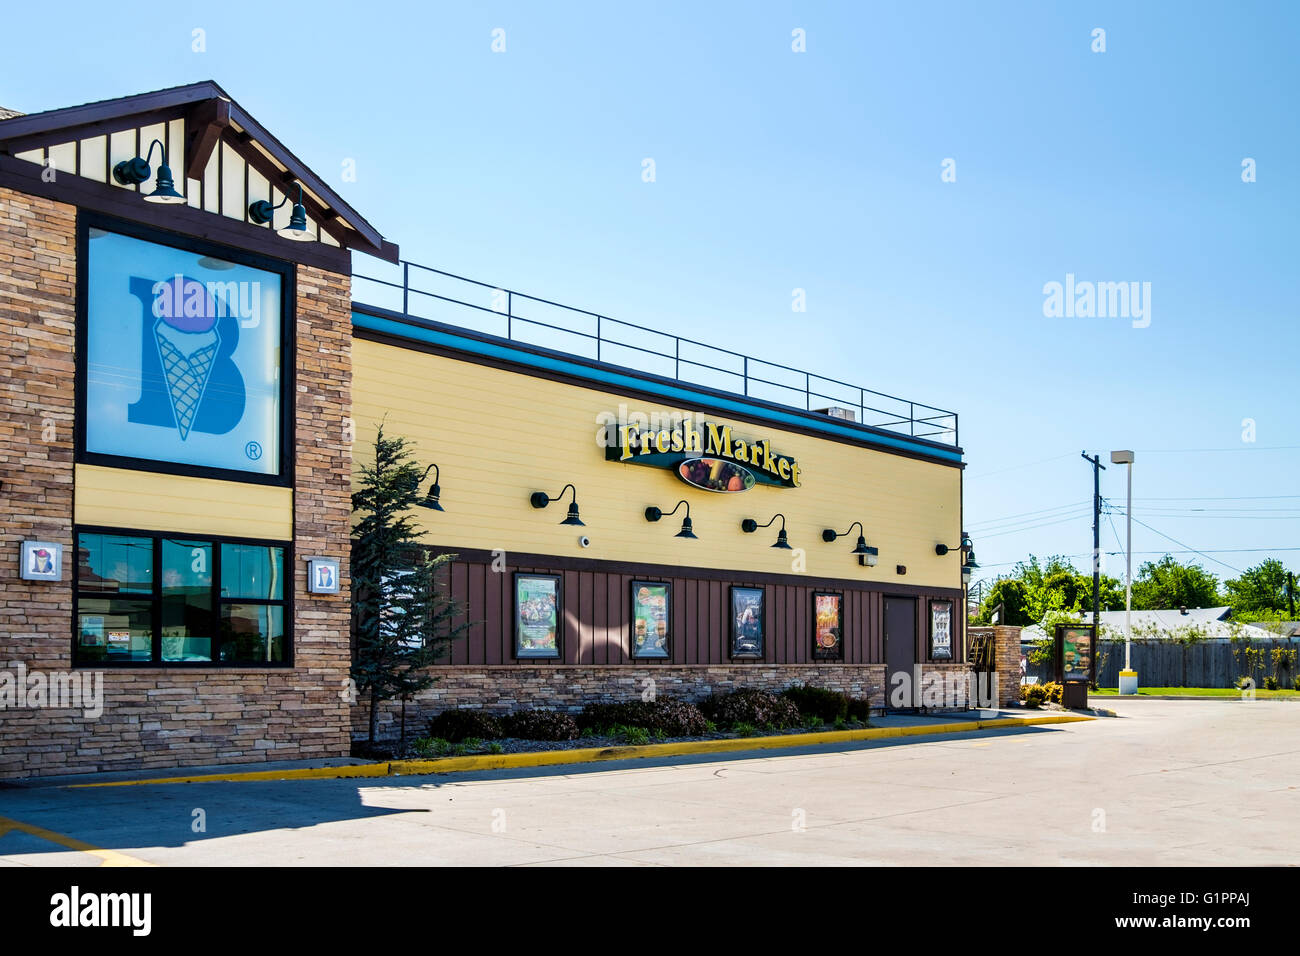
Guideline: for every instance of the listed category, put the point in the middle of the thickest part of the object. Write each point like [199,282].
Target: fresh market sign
[731,458]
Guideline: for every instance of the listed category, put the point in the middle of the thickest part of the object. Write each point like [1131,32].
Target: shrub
[674,718]
[458,725]
[1033,694]
[632,736]
[827,705]
[540,725]
[1053,691]
[1295,684]
[755,707]
[495,748]
[859,709]
[745,729]
[1270,683]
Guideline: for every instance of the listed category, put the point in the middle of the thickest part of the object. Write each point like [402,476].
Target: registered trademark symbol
[253,450]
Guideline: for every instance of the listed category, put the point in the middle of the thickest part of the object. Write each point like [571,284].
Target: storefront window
[147,599]
[252,571]
[182,360]
[187,620]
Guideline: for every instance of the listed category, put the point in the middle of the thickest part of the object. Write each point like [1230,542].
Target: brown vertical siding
[595,624]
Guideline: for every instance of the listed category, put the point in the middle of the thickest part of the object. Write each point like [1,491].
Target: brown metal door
[900,645]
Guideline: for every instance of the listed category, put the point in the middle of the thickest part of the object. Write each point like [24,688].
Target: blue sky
[821,170]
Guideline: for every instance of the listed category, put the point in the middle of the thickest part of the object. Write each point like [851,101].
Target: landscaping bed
[743,713]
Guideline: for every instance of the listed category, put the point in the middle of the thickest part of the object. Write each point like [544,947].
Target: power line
[1190,451]
[1028,464]
[1224,498]
[1045,524]
[1188,547]
[1010,519]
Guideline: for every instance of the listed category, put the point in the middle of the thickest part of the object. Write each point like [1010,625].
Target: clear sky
[821,170]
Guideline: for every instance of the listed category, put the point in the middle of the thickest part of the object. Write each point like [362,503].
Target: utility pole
[1097,468]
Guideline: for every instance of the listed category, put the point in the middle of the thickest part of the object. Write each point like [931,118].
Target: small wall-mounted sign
[323,575]
[41,561]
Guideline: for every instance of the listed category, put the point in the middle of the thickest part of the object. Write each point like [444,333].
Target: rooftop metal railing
[422,292]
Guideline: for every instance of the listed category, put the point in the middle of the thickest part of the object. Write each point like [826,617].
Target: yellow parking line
[110,857]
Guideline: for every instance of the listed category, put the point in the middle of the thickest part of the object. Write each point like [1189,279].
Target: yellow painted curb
[546,758]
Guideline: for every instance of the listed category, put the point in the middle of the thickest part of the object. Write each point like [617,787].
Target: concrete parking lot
[1166,782]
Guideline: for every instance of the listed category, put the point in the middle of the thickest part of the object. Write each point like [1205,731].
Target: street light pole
[1127,677]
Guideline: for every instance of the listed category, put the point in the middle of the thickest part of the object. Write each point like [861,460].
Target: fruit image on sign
[715,474]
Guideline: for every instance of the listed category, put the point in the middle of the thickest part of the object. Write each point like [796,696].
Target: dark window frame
[155,599]
[818,655]
[631,624]
[559,616]
[287,272]
[732,629]
[952,657]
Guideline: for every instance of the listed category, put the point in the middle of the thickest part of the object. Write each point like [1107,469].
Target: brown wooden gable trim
[210,117]
[25,177]
[203,133]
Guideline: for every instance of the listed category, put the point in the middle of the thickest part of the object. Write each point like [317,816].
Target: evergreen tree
[403,620]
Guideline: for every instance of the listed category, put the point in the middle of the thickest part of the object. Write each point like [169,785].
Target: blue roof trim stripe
[620,380]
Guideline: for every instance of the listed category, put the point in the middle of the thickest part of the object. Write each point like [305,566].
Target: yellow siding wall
[498,436]
[116,497]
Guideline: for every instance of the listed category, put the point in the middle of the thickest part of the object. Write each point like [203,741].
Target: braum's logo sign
[635,444]
[192,353]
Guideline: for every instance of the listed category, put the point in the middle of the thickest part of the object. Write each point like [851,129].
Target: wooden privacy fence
[1215,662]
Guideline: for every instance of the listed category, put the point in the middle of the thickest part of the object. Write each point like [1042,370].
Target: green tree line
[1036,589]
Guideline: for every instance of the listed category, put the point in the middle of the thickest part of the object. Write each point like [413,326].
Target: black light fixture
[134,171]
[262,212]
[867,555]
[654,514]
[749,526]
[540,499]
[435,492]
[967,548]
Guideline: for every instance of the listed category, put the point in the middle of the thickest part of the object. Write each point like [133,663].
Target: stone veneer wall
[1006,643]
[499,689]
[155,718]
[38,272]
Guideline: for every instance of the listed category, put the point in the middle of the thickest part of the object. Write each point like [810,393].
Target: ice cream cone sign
[188,341]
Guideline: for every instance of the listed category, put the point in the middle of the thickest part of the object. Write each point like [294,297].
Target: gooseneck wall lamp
[967,549]
[749,526]
[540,499]
[262,212]
[654,514]
[867,555]
[134,171]
[431,499]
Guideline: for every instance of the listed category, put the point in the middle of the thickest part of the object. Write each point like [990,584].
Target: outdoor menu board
[941,630]
[828,626]
[1074,652]
[746,622]
[537,615]
[650,610]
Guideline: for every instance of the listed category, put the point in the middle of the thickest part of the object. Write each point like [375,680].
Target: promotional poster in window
[537,615]
[747,622]
[828,629]
[650,611]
